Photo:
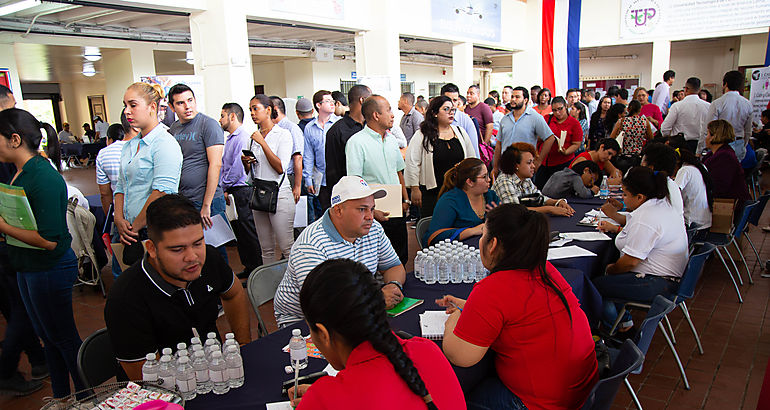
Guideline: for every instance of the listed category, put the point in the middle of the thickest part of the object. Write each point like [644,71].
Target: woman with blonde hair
[463,202]
[150,164]
[722,163]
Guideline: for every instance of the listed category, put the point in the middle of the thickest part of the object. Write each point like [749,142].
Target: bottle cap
[216,353]
[181,345]
[230,336]
[184,359]
[195,341]
[211,335]
[166,350]
[296,332]
[150,356]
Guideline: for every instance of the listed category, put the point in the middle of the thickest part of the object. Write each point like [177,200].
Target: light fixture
[88,69]
[189,57]
[18,6]
[92,54]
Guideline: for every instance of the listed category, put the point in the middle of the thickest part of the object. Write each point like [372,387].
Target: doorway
[96,107]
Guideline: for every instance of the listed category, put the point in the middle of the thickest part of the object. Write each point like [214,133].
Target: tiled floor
[736,337]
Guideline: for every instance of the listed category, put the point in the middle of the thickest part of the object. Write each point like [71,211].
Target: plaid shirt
[510,187]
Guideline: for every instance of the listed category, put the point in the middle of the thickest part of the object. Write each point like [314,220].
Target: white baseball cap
[353,187]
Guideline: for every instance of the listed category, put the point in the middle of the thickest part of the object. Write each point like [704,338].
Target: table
[264,362]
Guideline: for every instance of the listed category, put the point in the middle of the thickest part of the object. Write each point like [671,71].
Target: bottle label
[202,375]
[167,382]
[299,354]
[150,377]
[235,372]
[217,376]
[186,385]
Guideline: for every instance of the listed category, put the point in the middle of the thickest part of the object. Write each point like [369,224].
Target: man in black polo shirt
[171,294]
[336,138]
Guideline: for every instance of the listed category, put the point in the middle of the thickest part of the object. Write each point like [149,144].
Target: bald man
[7,100]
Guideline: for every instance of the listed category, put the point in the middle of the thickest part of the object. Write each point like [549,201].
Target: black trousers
[544,173]
[692,145]
[245,231]
[325,196]
[395,230]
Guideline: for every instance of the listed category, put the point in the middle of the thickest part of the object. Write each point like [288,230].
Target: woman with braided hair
[526,312]
[345,310]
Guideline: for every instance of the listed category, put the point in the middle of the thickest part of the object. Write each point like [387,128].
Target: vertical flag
[561,44]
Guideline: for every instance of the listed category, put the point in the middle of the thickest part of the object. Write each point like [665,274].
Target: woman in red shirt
[526,312]
[651,111]
[345,311]
[561,123]
[543,104]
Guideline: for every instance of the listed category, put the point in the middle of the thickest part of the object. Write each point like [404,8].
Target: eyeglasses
[450,110]
[325,101]
[485,176]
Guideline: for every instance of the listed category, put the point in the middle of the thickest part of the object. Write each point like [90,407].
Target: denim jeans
[217,207]
[47,295]
[627,287]
[492,394]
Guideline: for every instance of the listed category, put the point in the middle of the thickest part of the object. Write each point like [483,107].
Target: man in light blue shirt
[298,150]
[461,119]
[735,109]
[314,158]
[522,124]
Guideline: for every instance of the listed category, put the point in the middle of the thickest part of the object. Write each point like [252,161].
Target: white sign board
[668,18]
[760,93]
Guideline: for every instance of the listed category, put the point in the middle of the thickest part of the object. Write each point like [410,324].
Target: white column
[221,47]
[123,67]
[378,53]
[661,61]
[8,60]
[462,66]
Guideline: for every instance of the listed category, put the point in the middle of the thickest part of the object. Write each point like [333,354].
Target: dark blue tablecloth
[75,149]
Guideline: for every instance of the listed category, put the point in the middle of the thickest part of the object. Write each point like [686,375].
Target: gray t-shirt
[194,137]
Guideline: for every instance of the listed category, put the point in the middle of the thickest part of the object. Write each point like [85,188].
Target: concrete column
[123,67]
[8,60]
[221,47]
[462,66]
[661,61]
[378,57]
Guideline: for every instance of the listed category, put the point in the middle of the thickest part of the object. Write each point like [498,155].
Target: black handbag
[264,193]
[534,199]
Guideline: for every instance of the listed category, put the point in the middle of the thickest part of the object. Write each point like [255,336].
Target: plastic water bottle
[201,367]
[191,349]
[429,268]
[455,266]
[298,350]
[166,351]
[234,363]
[443,268]
[469,267]
[179,347]
[150,368]
[229,336]
[218,373]
[213,336]
[167,372]
[418,265]
[210,348]
[185,378]
[481,271]
[604,189]
[181,353]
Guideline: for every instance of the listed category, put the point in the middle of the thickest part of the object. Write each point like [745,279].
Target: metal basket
[95,395]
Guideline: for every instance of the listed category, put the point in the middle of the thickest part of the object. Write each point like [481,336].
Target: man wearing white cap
[346,230]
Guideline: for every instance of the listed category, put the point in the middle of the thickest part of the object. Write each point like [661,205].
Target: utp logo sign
[642,16]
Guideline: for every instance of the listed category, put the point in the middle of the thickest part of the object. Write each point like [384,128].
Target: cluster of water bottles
[449,261]
[199,368]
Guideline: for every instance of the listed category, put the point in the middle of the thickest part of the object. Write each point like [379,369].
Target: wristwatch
[408,201]
[395,282]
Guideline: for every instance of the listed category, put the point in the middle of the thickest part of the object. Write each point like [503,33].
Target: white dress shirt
[687,117]
[693,188]
[661,97]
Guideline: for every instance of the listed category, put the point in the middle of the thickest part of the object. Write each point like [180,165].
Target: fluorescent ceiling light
[18,6]
[92,54]
[189,57]
[88,69]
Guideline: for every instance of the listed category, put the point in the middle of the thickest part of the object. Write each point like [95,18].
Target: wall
[753,49]
[271,75]
[327,74]
[75,100]
[615,66]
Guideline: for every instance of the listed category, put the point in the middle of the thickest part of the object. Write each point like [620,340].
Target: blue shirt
[453,210]
[375,159]
[530,127]
[233,174]
[156,165]
[464,120]
[315,150]
[319,242]
[298,140]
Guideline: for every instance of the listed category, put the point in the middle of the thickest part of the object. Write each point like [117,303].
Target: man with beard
[171,295]
[522,124]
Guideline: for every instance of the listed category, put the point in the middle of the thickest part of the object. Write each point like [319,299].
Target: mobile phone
[248,153]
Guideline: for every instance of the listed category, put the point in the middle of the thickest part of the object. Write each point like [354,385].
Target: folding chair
[96,360]
[261,287]
[422,226]
[603,394]
[754,220]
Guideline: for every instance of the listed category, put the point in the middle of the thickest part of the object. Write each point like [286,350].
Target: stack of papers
[432,324]
[585,236]
[568,252]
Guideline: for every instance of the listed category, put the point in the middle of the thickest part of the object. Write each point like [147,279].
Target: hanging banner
[667,18]
[760,93]
[477,20]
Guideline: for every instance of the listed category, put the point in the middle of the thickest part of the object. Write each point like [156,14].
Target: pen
[456,307]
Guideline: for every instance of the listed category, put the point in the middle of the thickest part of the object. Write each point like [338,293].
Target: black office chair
[96,360]
[603,394]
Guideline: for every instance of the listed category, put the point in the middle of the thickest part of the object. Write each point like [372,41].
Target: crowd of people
[491,169]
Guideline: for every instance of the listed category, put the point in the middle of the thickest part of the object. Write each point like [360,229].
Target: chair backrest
[261,287]
[660,307]
[756,213]
[693,271]
[422,226]
[603,394]
[748,208]
[96,360]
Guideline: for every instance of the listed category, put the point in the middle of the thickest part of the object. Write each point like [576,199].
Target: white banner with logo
[668,18]
[760,93]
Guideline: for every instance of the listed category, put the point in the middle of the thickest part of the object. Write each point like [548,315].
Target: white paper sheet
[585,236]
[300,213]
[391,202]
[280,405]
[330,370]
[230,211]
[432,323]
[220,232]
[568,252]
[559,242]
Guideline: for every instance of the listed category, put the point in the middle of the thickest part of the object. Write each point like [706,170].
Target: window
[346,85]
[407,87]
[434,89]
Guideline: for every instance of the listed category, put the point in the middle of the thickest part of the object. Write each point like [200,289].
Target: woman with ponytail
[527,314]
[46,265]
[345,311]
[463,201]
[652,245]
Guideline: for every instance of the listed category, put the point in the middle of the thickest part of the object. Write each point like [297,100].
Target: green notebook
[404,305]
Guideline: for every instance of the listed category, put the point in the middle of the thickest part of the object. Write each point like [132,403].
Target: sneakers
[16,385]
[39,372]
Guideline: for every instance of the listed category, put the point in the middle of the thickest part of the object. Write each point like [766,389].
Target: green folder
[15,209]
[404,305]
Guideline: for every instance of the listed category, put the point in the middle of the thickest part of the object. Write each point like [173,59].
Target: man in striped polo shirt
[346,230]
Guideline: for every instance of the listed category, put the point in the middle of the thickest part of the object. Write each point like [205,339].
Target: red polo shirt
[545,360]
[369,381]
[574,133]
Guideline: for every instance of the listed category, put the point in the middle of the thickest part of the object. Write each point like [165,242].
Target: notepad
[281,405]
[219,233]
[432,324]
[586,236]
[568,252]
[404,305]
[392,200]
